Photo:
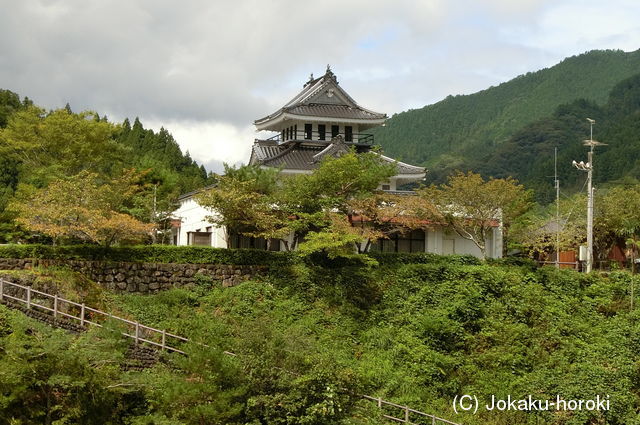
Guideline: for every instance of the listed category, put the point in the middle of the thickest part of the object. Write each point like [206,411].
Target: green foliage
[58,144]
[50,376]
[149,254]
[37,147]
[320,200]
[396,259]
[81,208]
[242,201]
[416,330]
[9,103]
[473,207]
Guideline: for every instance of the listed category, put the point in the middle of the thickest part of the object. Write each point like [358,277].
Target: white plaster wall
[440,241]
[192,217]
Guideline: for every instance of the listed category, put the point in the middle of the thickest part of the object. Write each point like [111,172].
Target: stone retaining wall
[142,277]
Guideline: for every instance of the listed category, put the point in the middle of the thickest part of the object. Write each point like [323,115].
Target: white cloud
[206,70]
[210,142]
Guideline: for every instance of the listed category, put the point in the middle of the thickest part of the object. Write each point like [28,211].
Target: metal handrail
[57,304]
[302,136]
[164,335]
[407,412]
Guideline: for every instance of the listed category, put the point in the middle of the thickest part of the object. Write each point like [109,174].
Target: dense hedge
[396,259]
[207,255]
[148,254]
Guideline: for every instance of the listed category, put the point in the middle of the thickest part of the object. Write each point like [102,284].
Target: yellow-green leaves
[472,206]
[80,207]
[59,144]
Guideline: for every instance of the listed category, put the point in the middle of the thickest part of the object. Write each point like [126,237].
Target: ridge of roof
[311,89]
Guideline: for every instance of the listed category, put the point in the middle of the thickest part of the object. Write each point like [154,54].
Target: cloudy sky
[205,70]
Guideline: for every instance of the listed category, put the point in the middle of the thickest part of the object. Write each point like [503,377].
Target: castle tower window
[295,132]
[307,131]
[322,129]
[334,131]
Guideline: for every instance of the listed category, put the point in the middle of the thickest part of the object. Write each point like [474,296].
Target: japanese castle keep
[322,120]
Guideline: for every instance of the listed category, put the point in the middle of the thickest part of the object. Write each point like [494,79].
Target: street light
[588,167]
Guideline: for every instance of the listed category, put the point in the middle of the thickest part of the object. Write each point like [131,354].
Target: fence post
[433,420]
[1,289]
[164,338]
[55,306]
[137,331]
[82,315]
[379,402]
[406,414]
[28,297]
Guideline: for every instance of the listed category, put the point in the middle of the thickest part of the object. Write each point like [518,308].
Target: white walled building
[323,120]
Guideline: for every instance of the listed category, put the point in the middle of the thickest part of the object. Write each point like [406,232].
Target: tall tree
[473,206]
[80,208]
[240,202]
[59,143]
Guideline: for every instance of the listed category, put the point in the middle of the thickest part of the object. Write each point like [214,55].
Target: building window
[307,131]
[410,242]
[242,241]
[199,238]
[322,129]
[282,136]
[334,131]
[286,134]
[238,240]
[348,133]
[386,187]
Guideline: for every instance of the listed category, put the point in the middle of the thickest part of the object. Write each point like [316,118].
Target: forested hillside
[528,155]
[38,147]
[454,132]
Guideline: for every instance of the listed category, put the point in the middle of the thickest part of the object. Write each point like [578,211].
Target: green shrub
[398,258]
[148,254]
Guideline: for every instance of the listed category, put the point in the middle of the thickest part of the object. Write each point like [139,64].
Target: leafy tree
[58,144]
[315,199]
[617,220]
[382,215]
[473,206]
[9,103]
[537,232]
[80,207]
[38,146]
[240,201]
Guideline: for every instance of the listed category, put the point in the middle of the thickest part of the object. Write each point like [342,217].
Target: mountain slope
[528,155]
[444,135]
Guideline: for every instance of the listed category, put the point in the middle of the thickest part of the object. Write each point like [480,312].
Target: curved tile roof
[306,156]
[323,97]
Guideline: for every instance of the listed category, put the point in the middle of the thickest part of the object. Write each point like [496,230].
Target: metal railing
[573,264]
[301,136]
[144,334]
[408,414]
[61,307]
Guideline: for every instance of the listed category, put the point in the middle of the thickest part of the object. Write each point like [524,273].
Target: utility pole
[557,183]
[590,209]
[154,217]
[588,167]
